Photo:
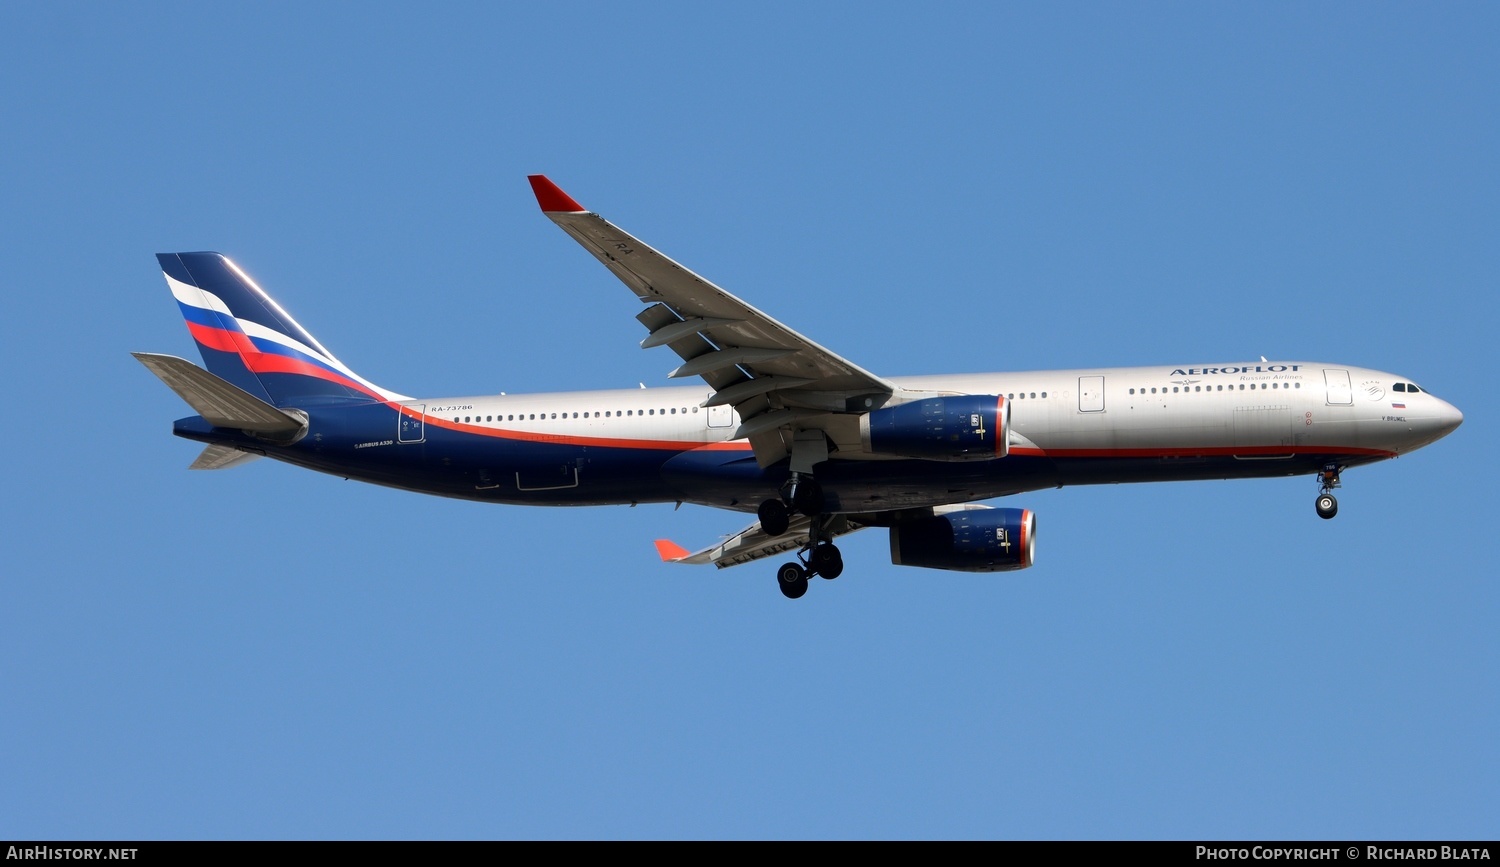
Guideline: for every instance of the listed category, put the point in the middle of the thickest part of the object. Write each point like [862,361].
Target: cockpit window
[1411,387]
[1400,386]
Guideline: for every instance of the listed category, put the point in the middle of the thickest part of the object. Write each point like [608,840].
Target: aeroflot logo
[1259,368]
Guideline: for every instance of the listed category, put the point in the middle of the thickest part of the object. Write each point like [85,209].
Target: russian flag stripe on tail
[246,338]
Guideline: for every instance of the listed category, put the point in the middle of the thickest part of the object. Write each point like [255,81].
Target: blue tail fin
[247,339]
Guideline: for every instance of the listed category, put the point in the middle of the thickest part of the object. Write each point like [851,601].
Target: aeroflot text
[1372,853]
[1259,368]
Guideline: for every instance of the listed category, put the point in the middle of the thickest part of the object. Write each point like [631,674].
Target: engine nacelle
[970,540]
[969,427]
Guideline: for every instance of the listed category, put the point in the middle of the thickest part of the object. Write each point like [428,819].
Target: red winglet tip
[551,197]
[671,551]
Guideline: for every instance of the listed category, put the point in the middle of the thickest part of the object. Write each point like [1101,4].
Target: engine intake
[969,427]
[970,540]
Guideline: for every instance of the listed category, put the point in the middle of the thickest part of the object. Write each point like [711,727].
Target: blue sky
[270,653]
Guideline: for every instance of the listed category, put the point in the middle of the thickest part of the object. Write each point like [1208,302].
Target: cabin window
[695,410]
[651,412]
[1044,394]
[1010,397]
[1299,385]
[674,410]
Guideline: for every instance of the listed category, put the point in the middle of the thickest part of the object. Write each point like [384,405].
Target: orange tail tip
[670,551]
[551,197]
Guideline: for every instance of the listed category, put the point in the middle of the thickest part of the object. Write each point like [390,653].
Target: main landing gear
[819,557]
[803,495]
[799,494]
[1328,479]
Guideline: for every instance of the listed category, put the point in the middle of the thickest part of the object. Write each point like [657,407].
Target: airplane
[810,442]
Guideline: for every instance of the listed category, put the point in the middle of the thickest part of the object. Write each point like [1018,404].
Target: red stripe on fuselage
[266,362]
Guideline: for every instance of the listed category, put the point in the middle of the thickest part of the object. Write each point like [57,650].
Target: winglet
[551,197]
[671,552]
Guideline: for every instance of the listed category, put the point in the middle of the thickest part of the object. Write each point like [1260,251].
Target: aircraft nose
[1449,418]
[1434,420]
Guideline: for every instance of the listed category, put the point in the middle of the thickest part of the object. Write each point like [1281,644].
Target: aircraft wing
[769,373]
[753,543]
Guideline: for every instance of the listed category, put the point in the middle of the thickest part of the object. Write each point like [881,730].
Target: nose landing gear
[1327,505]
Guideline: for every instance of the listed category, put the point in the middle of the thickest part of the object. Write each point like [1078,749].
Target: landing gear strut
[1328,479]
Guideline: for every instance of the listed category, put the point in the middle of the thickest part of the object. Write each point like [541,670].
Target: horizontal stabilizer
[222,458]
[221,404]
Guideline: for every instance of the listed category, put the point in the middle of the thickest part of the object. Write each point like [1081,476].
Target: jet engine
[969,427]
[973,539]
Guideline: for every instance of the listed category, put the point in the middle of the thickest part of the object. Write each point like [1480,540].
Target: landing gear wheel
[774,517]
[807,498]
[825,560]
[793,580]
[1327,506]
